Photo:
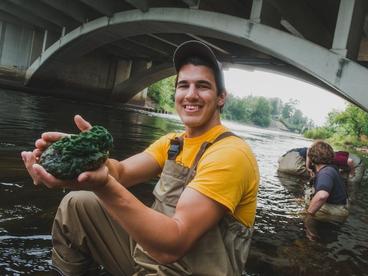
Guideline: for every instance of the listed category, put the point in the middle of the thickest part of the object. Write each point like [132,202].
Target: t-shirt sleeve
[325,181]
[158,149]
[221,176]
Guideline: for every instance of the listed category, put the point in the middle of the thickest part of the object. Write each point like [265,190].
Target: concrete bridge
[110,50]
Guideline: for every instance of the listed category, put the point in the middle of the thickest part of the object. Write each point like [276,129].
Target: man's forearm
[133,170]
[157,233]
[114,166]
[317,201]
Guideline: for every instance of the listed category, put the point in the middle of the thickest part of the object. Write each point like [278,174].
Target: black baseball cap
[195,48]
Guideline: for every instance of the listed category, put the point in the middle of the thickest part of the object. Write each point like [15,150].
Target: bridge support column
[255,15]
[123,70]
[140,98]
[348,28]
[126,70]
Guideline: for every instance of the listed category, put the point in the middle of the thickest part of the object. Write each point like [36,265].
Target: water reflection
[279,246]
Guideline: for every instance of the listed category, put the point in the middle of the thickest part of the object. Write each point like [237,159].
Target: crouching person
[205,201]
[330,200]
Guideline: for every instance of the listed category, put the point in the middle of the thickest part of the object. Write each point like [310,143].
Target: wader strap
[201,151]
[176,146]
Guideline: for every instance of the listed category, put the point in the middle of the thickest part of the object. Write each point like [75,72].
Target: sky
[314,102]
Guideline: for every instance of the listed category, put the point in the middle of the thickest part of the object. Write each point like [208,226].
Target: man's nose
[192,91]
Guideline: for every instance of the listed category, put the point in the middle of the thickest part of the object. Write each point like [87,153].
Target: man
[329,202]
[296,161]
[201,220]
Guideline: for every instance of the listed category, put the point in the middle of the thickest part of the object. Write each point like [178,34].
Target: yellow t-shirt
[227,172]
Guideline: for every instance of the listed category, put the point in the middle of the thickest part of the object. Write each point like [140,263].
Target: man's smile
[191,108]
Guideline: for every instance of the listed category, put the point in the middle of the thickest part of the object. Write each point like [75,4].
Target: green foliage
[287,111]
[343,141]
[352,121]
[318,133]
[276,106]
[260,111]
[74,154]
[163,93]
[261,114]
[236,109]
[346,128]
[293,118]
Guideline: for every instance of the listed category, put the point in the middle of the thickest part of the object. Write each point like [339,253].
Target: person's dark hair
[321,153]
[198,61]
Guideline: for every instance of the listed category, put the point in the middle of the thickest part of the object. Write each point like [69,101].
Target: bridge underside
[115,56]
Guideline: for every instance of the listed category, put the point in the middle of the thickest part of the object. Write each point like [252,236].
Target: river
[279,246]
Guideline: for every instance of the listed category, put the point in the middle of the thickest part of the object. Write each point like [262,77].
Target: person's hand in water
[310,227]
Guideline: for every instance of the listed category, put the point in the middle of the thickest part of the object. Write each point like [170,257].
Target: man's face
[196,99]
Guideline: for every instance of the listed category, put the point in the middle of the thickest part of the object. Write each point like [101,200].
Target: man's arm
[128,172]
[308,164]
[351,165]
[136,169]
[133,170]
[317,201]
[165,238]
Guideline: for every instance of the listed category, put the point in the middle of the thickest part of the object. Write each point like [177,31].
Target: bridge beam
[72,8]
[303,19]
[46,13]
[347,78]
[105,7]
[24,15]
[142,5]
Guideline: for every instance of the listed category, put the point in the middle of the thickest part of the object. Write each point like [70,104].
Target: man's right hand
[41,144]
[47,138]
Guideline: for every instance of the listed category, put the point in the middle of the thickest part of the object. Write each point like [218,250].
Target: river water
[279,246]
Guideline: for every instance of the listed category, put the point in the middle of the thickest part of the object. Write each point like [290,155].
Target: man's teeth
[192,107]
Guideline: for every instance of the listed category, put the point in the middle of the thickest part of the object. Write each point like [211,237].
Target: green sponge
[74,154]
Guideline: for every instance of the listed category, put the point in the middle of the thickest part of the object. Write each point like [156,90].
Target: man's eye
[203,86]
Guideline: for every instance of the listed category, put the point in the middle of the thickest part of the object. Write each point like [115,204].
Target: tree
[236,109]
[162,93]
[288,109]
[261,114]
[343,128]
[353,120]
[276,107]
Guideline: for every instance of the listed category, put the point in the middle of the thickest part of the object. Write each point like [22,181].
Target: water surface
[279,245]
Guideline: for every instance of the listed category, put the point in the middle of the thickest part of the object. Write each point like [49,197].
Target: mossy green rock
[74,154]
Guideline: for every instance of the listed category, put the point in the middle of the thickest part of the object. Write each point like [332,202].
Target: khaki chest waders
[221,251]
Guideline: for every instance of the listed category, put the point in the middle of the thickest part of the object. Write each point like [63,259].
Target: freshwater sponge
[74,154]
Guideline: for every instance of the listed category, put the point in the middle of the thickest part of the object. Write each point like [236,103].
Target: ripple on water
[24,255]
[7,184]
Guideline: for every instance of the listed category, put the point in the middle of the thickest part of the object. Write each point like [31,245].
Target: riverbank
[17,85]
[274,125]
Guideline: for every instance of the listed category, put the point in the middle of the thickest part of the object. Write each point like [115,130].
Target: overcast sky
[314,102]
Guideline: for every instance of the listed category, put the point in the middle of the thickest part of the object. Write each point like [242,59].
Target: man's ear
[221,99]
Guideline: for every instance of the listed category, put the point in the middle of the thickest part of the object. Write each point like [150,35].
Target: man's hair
[321,153]
[198,61]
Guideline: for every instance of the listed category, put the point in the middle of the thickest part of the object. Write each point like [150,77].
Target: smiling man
[205,201]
